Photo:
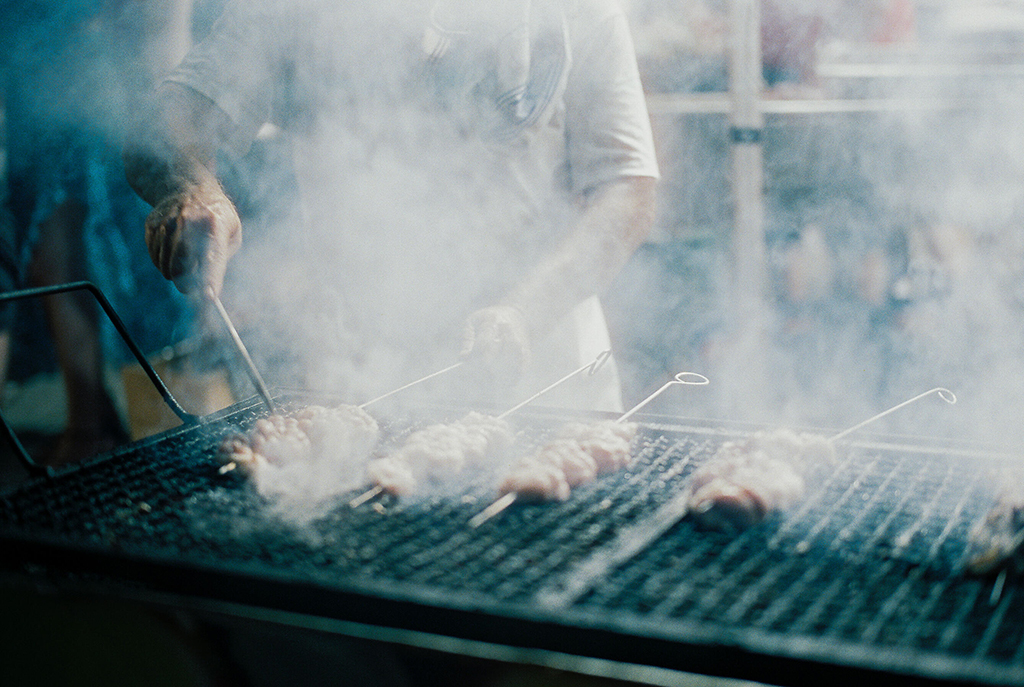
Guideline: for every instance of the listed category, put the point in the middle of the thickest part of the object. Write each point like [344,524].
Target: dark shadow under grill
[865,577]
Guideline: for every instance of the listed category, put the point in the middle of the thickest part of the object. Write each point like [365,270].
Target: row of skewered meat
[577,454]
[743,483]
[428,456]
[439,452]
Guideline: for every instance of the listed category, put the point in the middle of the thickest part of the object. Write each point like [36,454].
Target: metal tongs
[118,324]
[250,366]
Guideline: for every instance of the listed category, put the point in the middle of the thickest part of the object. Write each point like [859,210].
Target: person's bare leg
[93,424]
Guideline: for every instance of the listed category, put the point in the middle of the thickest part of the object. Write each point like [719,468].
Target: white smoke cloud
[928,191]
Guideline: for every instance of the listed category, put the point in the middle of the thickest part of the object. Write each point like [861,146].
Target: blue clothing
[65,95]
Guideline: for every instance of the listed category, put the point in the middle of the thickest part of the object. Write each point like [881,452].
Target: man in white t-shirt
[472,172]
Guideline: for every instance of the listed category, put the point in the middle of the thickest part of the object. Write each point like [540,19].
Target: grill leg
[19,448]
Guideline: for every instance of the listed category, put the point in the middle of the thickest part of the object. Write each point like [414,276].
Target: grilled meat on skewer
[536,480]
[997,542]
[282,452]
[747,480]
[343,430]
[578,453]
[439,452]
[607,442]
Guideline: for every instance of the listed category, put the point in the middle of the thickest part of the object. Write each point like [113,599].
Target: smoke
[409,210]
[894,235]
[894,261]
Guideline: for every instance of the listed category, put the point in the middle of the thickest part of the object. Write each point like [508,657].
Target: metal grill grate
[865,574]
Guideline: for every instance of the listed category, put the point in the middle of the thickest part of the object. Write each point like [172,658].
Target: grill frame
[593,624]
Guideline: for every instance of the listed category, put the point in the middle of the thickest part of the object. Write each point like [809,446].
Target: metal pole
[745,132]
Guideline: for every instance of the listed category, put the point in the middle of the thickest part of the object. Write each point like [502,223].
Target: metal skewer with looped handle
[687,378]
[411,384]
[590,368]
[942,392]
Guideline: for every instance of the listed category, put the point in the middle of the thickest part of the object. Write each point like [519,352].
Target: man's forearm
[194,228]
[616,220]
[155,175]
[171,150]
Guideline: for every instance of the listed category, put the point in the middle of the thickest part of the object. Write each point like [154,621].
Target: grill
[864,579]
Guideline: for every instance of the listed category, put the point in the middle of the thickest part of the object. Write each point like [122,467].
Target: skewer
[997,588]
[689,378]
[406,386]
[943,393]
[250,366]
[590,368]
[365,496]
[492,510]
[375,491]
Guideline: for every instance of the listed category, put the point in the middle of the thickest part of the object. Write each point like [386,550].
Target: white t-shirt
[438,154]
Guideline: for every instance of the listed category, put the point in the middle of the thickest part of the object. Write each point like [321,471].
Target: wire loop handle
[689,378]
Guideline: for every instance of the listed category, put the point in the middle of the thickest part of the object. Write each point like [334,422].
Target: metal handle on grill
[115,319]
